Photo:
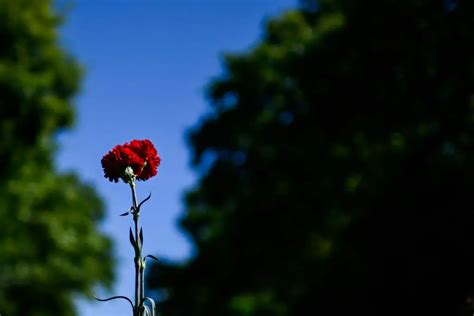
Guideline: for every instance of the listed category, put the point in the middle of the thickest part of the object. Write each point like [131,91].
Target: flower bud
[128,175]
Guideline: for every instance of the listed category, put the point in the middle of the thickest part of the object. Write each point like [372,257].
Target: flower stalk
[138,254]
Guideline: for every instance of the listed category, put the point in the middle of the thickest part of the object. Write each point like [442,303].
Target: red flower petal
[140,155]
[146,150]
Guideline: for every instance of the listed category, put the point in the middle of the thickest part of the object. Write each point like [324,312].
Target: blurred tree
[337,169]
[50,248]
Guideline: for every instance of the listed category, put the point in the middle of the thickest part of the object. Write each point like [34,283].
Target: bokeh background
[317,156]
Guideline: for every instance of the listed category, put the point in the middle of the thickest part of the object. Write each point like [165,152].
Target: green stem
[138,256]
[142,280]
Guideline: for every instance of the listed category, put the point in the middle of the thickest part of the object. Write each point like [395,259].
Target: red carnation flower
[140,155]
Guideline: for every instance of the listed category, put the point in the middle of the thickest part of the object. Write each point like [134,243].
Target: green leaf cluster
[50,246]
[337,168]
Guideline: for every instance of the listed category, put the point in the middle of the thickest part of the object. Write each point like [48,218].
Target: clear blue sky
[147,64]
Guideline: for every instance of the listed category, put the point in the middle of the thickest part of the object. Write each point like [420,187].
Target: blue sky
[146,66]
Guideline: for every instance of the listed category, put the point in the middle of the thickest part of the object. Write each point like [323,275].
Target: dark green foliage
[50,248]
[340,169]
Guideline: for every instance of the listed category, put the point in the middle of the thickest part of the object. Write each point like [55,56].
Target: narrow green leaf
[132,240]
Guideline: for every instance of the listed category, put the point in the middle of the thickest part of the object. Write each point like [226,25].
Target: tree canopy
[336,168]
[50,247]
